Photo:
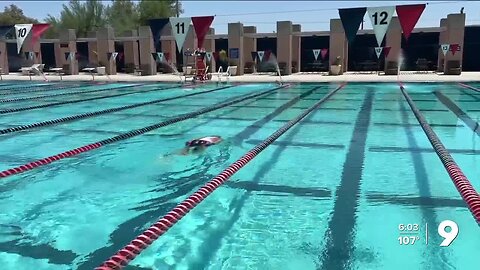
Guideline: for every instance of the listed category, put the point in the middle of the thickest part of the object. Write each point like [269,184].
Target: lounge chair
[33,70]
[229,72]
[95,70]
[58,71]
[453,67]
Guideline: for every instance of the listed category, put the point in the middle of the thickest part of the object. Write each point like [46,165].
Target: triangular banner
[166,55]
[254,55]
[72,56]
[67,55]
[30,55]
[154,55]
[323,53]
[266,56]
[201,26]
[160,57]
[21,32]
[37,30]
[351,19]
[380,17]
[386,51]
[5,29]
[454,48]
[316,53]
[260,55]
[445,48]
[109,56]
[37,54]
[156,26]
[114,55]
[209,56]
[26,55]
[180,28]
[408,16]
[378,51]
[216,56]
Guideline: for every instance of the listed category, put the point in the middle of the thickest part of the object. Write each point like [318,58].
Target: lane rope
[39,89]
[127,135]
[461,182]
[469,87]
[63,94]
[144,240]
[12,110]
[96,113]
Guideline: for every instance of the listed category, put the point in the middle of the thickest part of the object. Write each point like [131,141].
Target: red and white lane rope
[463,185]
[144,240]
[127,135]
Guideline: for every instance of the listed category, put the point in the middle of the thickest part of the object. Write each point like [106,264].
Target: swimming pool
[328,194]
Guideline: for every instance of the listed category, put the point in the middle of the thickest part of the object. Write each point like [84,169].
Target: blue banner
[156,25]
[351,19]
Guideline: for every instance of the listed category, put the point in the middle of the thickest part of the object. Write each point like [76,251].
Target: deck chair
[230,70]
[58,71]
[33,70]
[95,70]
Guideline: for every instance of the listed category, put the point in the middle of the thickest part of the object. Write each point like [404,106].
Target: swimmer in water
[198,145]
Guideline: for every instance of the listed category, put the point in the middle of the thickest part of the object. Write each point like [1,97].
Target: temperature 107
[408,240]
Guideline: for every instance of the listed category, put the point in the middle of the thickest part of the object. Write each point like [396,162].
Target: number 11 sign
[180,27]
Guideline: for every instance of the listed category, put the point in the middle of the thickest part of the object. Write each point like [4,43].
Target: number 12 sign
[380,18]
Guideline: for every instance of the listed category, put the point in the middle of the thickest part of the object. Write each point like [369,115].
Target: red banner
[267,55]
[454,48]
[201,26]
[408,16]
[37,31]
[167,56]
[323,53]
[386,51]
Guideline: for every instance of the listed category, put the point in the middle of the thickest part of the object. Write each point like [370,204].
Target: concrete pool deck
[405,76]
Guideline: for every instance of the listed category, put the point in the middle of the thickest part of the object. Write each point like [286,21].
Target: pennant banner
[323,53]
[316,53]
[209,56]
[351,19]
[454,48]
[160,57]
[260,55]
[378,51]
[180,28]
[380,17]
[445,48]
[72,56]
[5,29]
[114,55]
[254,55]
[216,56]
[109,55]
[201,26]
[21,32]
[156,26]
[38,30]
[266,56]
[408,16]
[154,55]
[386,51]
[67,55]
[166,56]
[37,54]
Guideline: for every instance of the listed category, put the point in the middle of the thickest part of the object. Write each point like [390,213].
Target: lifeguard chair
[201,69]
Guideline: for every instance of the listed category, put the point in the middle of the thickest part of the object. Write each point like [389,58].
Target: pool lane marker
[12,110]
[38,89]
[130,134]
[144,240]
[469,87]
[461,182]
[96,113]
[63,94]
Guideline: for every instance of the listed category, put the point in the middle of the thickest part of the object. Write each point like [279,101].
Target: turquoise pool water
[328,194]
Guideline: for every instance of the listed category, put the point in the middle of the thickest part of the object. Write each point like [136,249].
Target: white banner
[114,55]
[260,55]
[72,56]
[445,48]
[381,18]
[30,55]
[209,56]
[180,28]
[378,51]
[316,53]
[160,57]
[21,32]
